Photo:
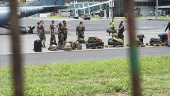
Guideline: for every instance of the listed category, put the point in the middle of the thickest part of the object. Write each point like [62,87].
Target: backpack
[67,45]
[92,39]
[53,48]
[81,40]
[76,45]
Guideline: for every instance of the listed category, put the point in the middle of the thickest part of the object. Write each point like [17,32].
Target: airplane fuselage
[22,12]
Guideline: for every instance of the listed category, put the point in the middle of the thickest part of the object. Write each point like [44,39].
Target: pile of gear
[71,45]
[93,41]
[164,38]
[115,40]
[139,40]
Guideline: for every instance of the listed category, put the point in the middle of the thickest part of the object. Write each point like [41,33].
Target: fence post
[129,10]
[16,49]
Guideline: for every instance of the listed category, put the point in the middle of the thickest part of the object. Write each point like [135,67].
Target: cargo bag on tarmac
[81,40]
[111,31]
[76,45]
[53,48]
[115,41]
[37,46]
[93,41]
[138,42]
[67,45]
[155,41]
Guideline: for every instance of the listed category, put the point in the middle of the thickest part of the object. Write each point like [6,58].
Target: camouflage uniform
[61,35]
[120,33]
[42,34]
[80,30]
[65,32]
[52,34]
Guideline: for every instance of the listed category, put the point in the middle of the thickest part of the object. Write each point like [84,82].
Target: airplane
[30,8]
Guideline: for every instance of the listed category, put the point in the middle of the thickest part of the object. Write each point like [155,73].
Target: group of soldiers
[63,30]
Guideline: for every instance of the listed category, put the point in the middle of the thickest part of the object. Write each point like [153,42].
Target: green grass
[159,18]
[108,77]
[96,17]
[164,18]
[60,16]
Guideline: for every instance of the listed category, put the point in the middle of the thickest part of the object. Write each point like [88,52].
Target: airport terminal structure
[113,8]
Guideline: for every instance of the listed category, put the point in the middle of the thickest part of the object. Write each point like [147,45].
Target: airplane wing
[57,6]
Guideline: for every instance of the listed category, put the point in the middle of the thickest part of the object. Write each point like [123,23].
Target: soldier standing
[60,34]
[38,23]
[52,33]
[121,30]
[42,33]
[112,25]
[168,28]
[80,30]
[65,30]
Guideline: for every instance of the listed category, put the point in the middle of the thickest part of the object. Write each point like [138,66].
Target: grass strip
[97,78]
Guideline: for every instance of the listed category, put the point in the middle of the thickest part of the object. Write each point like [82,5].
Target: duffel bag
[111,31]
[111,42]
[155,41]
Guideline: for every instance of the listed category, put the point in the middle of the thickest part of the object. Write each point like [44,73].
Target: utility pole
[156,8]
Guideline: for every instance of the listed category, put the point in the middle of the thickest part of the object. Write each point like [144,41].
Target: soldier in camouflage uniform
[52,33]
[121,30]
[42,33]
[80,30]
[61,34]
[65,30]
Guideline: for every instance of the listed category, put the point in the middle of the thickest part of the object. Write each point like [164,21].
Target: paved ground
[93,27]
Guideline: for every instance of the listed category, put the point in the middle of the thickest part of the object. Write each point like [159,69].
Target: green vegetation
[108,77]
[153,18]
[164,18]
[60,16]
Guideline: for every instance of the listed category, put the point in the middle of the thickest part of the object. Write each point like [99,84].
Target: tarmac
[93,27]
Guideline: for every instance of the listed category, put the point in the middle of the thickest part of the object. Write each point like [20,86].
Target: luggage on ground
[115,41]
[37,46]
[93,41]
[67,45]
[138,42]
[111,31]
[53,48]
[163,37]
[115,35]
[155,41]
[140,36]
[76,45]
[92,38]
[81,40]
